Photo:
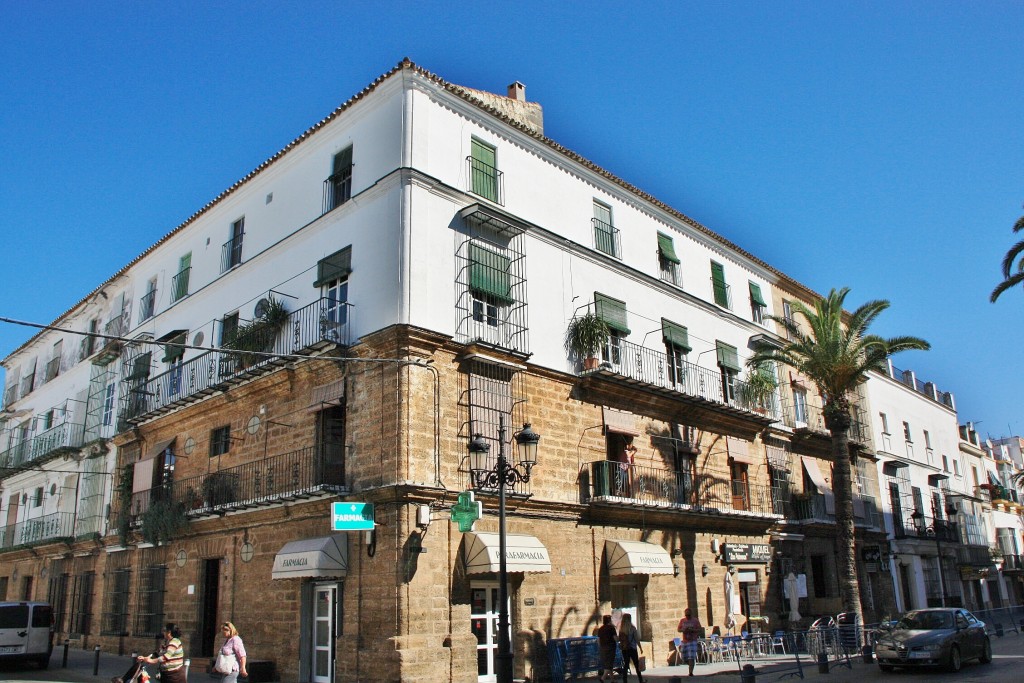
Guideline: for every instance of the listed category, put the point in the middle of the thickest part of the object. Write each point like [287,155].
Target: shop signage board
[747,552]
[352,516]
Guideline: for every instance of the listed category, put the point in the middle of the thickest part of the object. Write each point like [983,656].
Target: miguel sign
[747,552]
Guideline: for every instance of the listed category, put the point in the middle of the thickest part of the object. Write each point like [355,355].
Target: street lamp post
[938,529]
[501,476]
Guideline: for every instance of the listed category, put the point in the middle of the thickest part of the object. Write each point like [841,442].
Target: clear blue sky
[875,145]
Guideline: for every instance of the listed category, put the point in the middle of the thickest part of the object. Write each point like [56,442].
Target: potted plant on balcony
[584,337]
[258,335]
[759,389]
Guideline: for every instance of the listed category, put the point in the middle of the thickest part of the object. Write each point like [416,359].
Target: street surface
[1007,667]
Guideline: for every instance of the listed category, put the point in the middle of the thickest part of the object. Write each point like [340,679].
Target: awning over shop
[320,558]
[522,553]
[821,483]
[636,557]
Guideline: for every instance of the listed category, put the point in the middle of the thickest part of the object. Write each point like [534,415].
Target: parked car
[933,637]
[26,632]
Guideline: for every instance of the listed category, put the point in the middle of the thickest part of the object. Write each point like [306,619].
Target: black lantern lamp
[500,475]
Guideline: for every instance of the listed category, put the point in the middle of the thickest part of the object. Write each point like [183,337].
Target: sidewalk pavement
[1008,652]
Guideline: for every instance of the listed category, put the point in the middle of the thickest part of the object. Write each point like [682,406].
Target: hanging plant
[124,499]
[162,521]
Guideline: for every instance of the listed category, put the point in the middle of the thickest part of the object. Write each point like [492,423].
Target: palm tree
[1016,253]
[837,358]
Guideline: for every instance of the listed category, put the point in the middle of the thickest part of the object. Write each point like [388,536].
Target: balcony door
[330,441]
[740,486]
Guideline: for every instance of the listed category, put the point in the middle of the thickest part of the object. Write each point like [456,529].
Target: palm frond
[1008,283]
[1011,256]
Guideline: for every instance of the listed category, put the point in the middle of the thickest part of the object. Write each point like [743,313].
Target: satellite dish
[261,307]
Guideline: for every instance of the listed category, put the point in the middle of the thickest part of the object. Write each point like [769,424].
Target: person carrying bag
[231,657]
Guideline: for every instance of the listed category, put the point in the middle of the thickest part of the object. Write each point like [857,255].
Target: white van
[26,631]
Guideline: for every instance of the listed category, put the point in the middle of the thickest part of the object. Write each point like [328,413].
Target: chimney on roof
[517,91]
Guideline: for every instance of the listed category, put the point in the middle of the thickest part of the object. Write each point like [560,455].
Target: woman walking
[629,641]
[232,654]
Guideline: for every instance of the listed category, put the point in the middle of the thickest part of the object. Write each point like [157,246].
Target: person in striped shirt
[172,659]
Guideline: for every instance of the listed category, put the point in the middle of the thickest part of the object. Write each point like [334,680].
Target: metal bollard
[822,662]
[188,663]
[999,630]
[868,657]
[64,661]
[96,661]
[748,674]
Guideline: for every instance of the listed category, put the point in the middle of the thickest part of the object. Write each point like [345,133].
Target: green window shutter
[727,356]
[140,366]
[755,294]
[484,170]
[181,283]
[173,349]
[674,334]
[343,160]
[666,248]
[489,273]
[718,284]
[334,267]
[612,311]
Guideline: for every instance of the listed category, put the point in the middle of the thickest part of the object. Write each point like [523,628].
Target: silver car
[934,637]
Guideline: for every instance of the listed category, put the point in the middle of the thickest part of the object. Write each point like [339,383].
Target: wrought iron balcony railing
[1012,563]
[179,285]
[321,322]
[809,414]
[56,526]
[606,238]
[337,189]
[66,436]
[942,530]
[231,253]
[812,508]
[486,180]
[147,305]
[609,481]
[297,474]
[655,368]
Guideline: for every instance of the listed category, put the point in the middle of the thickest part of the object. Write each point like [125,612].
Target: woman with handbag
[629,642]
[172,659]
[231,656]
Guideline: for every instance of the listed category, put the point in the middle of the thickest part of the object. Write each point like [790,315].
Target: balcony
[16,455]
[974,556]
[927,528]
[811,509]
[304,473]
[676,390]
[606,238]
[63,437]
[722,293]
[1012,563]
[608,482]
[310,328]
[486,180]
[179,285]
[337,189]
[808,418]
[231,253]
[147,305]
[54,527]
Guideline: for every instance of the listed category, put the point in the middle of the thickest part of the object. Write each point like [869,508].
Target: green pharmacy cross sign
[467,511]
[352,516]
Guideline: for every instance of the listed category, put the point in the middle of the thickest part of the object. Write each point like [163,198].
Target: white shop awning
[522,553]
[320,558]
[637,557]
